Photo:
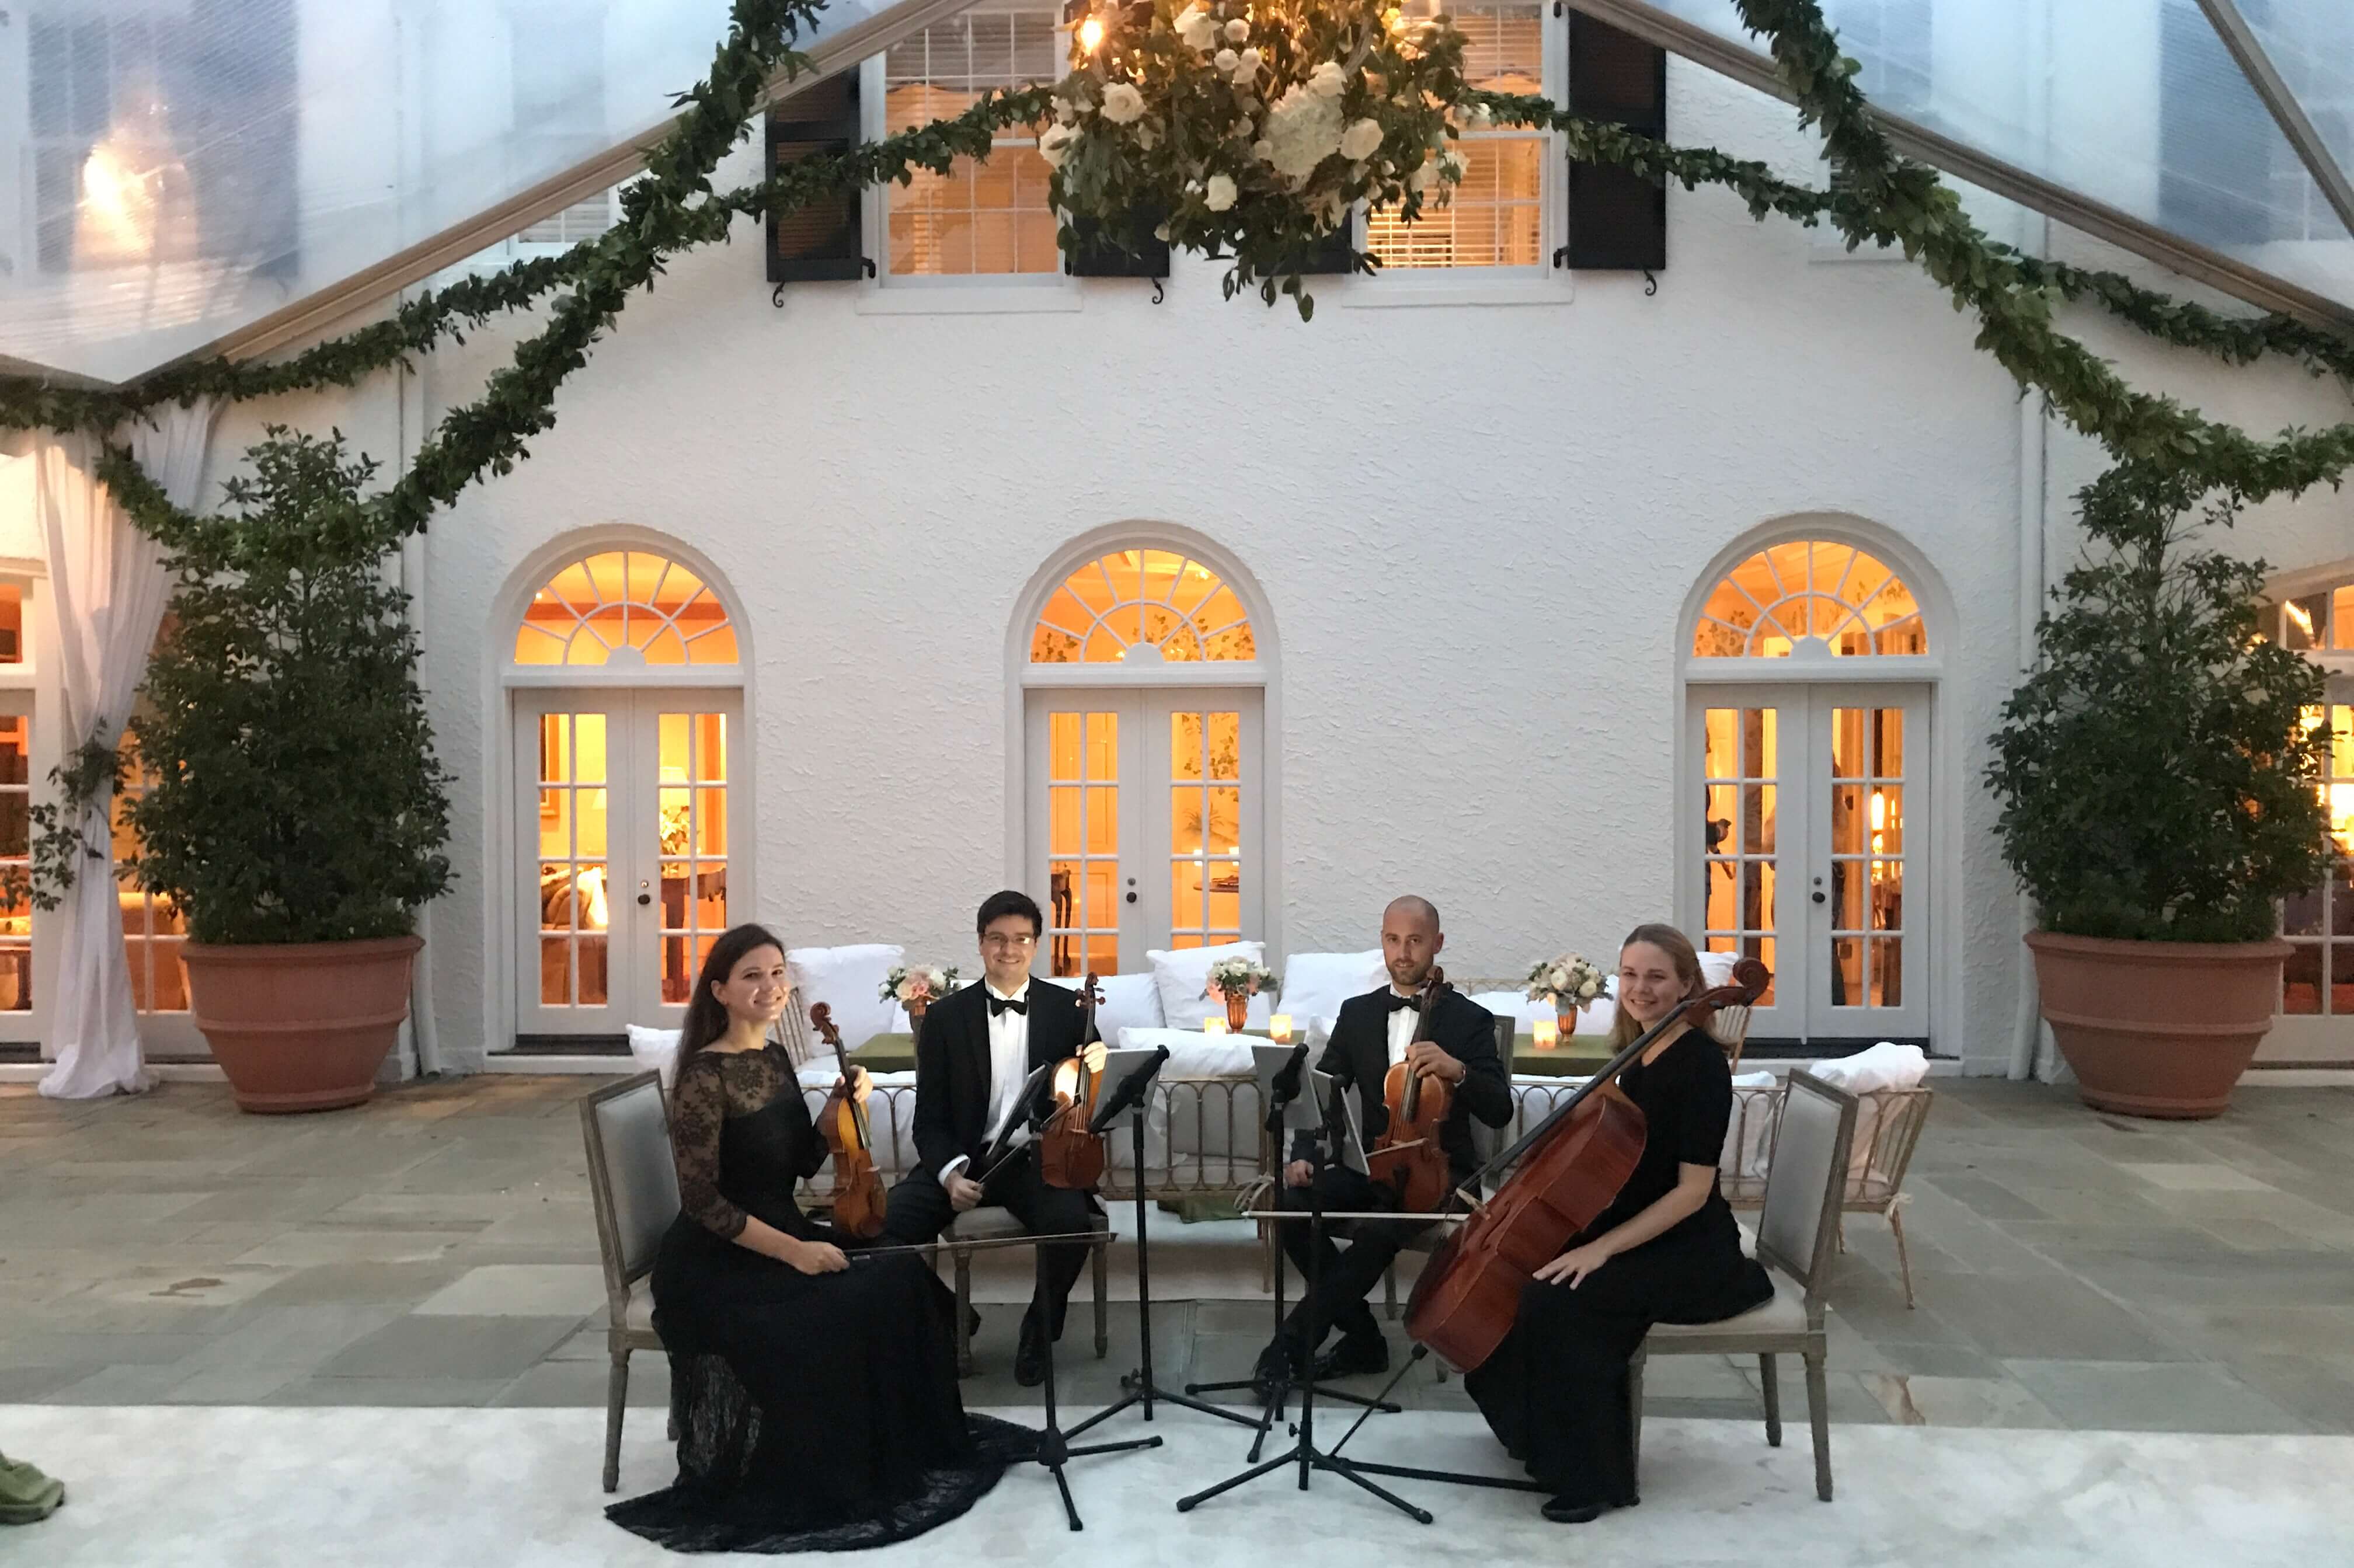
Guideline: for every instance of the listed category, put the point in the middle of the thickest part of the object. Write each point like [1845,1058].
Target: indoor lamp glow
[1091,34]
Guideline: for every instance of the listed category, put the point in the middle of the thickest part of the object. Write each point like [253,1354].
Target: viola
[1408,1157]
[858,1196]
[1564,1173]
[1069,1155]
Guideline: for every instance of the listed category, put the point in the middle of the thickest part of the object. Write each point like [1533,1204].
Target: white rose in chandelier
[1238,30]
[1220,195]
[1362,140]
[1197,27]
[1328,80]
[1303,130]
[1055,145]
[1226,60]
[1122,104]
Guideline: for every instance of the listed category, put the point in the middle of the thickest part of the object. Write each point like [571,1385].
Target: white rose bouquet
[1569,981]
[1251,127]
[917,985]
[1233,977]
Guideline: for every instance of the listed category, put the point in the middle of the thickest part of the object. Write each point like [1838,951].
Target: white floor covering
[162,1487]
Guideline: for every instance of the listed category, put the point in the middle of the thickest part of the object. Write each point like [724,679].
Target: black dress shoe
[1278,1365]
[1568,1510]
[1355,1353]
[1029,1355]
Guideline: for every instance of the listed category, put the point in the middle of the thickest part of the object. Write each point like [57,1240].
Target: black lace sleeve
[698,1108]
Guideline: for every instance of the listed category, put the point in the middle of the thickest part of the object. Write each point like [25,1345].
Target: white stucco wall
[1476,528]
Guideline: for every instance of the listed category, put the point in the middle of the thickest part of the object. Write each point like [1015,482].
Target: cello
[858,1195]
[1408,1158]
[1569,1168]
[1069,1156]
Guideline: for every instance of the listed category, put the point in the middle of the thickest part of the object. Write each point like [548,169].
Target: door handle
[1819,898]
[1131,899]
[649,898]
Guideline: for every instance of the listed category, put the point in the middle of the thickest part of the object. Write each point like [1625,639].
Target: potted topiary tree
[2158,776]
[295,809]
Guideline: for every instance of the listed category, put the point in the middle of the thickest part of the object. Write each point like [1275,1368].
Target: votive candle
[1548,1033]
[1214,1025]
[1279,1028]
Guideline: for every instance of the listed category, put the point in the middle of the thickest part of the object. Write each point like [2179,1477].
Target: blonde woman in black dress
[1666,1251]
[815,1390]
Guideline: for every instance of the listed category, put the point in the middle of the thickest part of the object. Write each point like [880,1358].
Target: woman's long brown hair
[1679,949]
[707,1018]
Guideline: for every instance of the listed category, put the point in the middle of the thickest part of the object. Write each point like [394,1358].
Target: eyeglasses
[1008,944]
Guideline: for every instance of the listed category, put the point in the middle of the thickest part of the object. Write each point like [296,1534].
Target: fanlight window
[1142,606]
[625,606]
[1836,595]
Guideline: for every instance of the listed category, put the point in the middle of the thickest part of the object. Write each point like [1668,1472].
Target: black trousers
[920,1210]
[1345,1275]
[1555,1391]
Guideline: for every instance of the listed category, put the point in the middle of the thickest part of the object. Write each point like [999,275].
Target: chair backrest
[1799,1223]
[632,1175]
[1485,1140]
[1730,1027]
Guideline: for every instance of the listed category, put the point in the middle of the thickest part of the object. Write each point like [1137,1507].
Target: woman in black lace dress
[1556,1391]
[816,1390]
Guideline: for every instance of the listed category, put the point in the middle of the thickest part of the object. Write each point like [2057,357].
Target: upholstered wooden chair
[1798,1233]
[991,1223]
[634,1183]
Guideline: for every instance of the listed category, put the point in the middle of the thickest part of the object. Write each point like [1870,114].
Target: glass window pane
[1185,746]
[1103,821]
[1226,746]
[2301,979]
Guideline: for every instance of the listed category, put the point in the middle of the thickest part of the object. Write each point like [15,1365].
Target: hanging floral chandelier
[1248,128]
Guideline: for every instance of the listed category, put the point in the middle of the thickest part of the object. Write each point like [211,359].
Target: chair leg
[1769,1380]
[1102,1300]
[1389,1291]
[617,1394]
[1635,1413]
[963,1259]
[1266,1258]
[1838,1229]
[1903,1257]
[1818,1416]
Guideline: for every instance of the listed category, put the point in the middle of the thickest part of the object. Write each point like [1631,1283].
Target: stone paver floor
[436,1248]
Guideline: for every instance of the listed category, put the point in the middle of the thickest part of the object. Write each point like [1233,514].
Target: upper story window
[1142,606]
[1809,595]
[557,80]
[980,218]
[1497,216]
[625,607]
[2319,621]
[1889,39]
[11,623]
[108,186]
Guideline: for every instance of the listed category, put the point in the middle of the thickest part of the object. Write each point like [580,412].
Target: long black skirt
[1555,1391]
[817,1412]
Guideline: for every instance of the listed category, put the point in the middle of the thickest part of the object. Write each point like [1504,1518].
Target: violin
[1564,1173]
[858,1196]
[1069,1156]
[1408,1158]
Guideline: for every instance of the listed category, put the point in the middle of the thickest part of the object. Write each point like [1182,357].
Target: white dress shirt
[1009,1067]
[1402,1022]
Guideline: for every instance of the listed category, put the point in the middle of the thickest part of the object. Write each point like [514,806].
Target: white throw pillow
[1886,1065]
[655,1050]
[849,981]
[1193,1054]
[1593,1021]
[1179,977]
[1129,1001]
[1316,984]
[1716,969]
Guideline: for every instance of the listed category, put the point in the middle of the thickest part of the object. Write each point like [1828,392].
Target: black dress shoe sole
[1585,1513]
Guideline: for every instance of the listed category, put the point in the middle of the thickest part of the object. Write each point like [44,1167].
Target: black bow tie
[998,1004]
[1397,1002]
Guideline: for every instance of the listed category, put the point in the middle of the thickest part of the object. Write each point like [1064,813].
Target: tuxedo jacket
[953,1086]
[1358,1057]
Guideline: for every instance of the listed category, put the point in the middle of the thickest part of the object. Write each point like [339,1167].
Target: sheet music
[1351,1151]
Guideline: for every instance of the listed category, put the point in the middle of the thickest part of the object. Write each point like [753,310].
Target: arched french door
[628,759]
[1144,773]
[1804,810]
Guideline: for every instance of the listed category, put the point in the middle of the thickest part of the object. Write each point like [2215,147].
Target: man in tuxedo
[1374,1033]
[979,1045]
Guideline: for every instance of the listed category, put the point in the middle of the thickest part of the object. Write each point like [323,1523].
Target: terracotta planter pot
[1566,1023]
[301,1026]
[2157,1029]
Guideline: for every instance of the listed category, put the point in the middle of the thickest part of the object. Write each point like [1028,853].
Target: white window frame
[890,293]
[521,247]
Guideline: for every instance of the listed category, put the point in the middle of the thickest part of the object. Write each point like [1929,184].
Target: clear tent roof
[193,176]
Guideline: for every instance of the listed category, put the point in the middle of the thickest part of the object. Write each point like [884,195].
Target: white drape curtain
[107,592]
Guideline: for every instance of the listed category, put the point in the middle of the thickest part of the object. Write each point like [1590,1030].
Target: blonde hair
[1679,949]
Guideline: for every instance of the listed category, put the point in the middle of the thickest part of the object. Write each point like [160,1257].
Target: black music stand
[1054,1448]
[1304,1451]
[1126,1098]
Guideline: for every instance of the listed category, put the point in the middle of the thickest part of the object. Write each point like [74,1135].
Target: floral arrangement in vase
[1234,981]
[917,985]
[1569,982]
[1250,128]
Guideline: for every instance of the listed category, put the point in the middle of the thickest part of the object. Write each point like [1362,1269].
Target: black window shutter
[1617,220]
[823,240]
[1095,251]
[1336,252]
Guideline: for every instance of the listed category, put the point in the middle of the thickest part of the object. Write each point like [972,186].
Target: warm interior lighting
[1091,34]
[1547,1032]
[1279,1028]
[2303,619]
[1214,1026]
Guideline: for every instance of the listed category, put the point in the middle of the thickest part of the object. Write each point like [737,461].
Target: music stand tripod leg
[1142,1389]
[1055,1449]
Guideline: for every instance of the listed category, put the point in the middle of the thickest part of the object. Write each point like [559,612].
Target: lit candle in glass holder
[1279,1028]
[1214,1025]
[1547,1032]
